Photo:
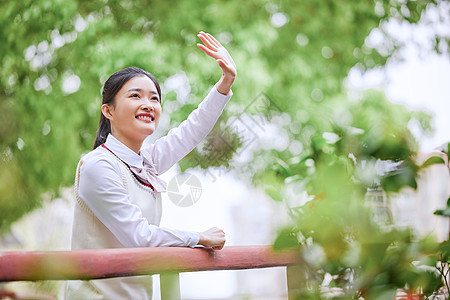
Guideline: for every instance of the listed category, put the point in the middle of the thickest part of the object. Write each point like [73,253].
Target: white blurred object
[416,208]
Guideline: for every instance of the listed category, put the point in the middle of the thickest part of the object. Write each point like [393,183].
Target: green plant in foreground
[335,228]
[443,259]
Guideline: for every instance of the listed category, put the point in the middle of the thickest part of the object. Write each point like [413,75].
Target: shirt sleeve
[102,189]
[168,150]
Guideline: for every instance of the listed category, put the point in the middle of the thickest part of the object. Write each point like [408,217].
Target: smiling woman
[119,89]
[117,185]
[134,114]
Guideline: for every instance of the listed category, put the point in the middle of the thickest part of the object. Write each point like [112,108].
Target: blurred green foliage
[297,52]
[444,212]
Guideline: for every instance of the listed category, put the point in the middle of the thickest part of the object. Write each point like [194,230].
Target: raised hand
[213,48]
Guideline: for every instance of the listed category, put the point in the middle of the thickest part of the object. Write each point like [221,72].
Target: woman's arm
[101,188]
[168,150]
[179,141]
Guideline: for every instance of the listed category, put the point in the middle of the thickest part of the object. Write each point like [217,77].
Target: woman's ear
[107,111]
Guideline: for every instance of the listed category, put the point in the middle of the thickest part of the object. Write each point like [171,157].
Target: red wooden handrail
[106,263]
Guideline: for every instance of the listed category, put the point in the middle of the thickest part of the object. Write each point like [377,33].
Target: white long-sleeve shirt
[101,186]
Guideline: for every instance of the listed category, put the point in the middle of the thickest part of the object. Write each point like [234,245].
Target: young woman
[117,188]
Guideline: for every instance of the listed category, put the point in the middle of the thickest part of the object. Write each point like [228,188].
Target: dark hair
[110,89]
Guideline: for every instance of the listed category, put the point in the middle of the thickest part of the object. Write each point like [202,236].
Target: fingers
[220,239]
[222,64]
[209,38]
[213,40]
[226,68]
[213,48]
[209,41]
[213,237]
[206,50]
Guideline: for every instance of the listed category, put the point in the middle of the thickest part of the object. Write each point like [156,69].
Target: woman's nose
[147,104]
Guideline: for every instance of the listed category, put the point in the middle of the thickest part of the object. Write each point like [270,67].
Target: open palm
[213,48]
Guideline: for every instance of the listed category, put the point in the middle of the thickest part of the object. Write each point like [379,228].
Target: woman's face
[136,110]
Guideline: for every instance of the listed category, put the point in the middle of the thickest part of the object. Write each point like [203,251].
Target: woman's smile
[146,117]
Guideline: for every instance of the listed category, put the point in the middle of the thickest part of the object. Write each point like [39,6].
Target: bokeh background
[332,99]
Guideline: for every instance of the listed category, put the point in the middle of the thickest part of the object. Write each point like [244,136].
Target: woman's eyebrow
[140,90]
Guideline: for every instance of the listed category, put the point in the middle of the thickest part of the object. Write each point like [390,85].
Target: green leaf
[444,212]
[283,167]
[287,238]
[444,251]
[430,282]
[433,161]
[274,193]
[398,179]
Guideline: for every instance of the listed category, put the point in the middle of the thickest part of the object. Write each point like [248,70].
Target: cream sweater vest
[89,233]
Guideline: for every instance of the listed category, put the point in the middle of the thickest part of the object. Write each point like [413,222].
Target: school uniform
[118,199]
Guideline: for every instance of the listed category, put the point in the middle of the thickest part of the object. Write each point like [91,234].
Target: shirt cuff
[194,238]
[230,92]
[215,101]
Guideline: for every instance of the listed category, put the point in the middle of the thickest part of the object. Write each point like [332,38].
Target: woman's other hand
[213,48]
[213,237]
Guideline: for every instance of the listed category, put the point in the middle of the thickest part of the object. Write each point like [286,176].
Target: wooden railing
[167,261]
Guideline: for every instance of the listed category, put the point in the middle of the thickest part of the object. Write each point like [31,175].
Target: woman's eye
[135,96]
[155,98]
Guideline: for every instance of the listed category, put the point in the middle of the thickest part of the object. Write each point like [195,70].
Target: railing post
[170,286]
[296,280]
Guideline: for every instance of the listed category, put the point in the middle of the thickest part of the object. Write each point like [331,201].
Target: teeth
[145,118]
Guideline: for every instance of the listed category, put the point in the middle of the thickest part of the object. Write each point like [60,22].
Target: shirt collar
[123,152]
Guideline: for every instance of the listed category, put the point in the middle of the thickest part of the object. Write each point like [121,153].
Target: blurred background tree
[56,55]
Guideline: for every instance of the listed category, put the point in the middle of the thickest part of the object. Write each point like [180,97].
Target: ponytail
[104,128]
